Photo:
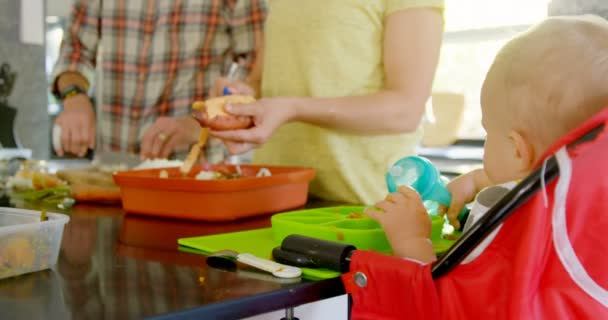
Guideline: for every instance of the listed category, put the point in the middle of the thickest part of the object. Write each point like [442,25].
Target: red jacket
[549,260]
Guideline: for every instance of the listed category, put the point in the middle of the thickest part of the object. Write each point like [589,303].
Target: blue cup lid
[416,172]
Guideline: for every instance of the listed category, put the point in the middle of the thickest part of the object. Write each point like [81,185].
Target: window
[475,31]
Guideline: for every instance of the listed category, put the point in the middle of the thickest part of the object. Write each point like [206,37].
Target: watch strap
[71,91]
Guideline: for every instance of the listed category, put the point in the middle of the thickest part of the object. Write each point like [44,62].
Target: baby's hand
[463,189]
[406,223]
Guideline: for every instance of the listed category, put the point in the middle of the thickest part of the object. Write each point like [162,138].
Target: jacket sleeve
[384,287]
[81,37]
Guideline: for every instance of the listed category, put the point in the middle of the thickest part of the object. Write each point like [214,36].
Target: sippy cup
[421,175]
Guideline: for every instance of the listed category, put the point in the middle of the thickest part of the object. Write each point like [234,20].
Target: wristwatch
[70,91]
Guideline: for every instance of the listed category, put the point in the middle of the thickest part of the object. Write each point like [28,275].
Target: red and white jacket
[549,260]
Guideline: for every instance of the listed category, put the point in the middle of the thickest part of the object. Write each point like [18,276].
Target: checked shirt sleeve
[80,41]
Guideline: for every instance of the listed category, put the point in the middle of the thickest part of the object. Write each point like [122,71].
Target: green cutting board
[258,242]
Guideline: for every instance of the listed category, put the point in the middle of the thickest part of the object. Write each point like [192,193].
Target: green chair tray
[345,224]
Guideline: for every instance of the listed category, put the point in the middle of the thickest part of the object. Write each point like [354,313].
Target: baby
[546,89]
[542,84]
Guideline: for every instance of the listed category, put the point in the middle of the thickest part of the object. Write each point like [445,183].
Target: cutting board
[258,242]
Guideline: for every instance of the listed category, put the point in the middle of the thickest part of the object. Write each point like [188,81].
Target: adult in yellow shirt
[344,86]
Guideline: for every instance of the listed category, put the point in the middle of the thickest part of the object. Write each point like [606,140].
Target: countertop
[117,266]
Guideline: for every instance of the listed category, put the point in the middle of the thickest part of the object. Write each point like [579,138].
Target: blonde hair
[554,76]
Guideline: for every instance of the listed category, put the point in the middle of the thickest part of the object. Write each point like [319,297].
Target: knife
[115,158]
[224,257]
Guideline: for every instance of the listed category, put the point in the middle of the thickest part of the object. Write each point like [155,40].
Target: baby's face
[499,158]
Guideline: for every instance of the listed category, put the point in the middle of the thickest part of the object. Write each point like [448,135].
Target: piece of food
[195,152]
[19,253]
[264,172]
[25,180]
[450,236]
[93,193]
[91,185]
[163,174]
[355,215]
[89,176]
[43,216]
[207,175]
[37,186]
[212,113]
[219,174]
[158,163]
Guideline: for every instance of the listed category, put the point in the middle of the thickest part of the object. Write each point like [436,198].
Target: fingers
[148,140]
[218,87]
[239,147]
[237,87]
[92,132]
[385,205]
[248,109]
[168,146]
[409,193]
[442,210]
[82,141]
[454,210]
[158,142]
[73,140]
[243,135]
[374,214]
[65,140]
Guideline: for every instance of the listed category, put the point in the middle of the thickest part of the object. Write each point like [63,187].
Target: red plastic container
[144,192]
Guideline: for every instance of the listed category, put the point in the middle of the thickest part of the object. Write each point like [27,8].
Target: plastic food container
[145,192]
[26,243]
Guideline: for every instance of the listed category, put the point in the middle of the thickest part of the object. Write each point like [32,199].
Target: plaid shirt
[154,57]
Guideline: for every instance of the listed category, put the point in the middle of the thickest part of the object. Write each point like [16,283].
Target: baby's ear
[523,151]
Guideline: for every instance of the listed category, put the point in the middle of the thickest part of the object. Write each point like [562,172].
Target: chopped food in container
[28,244]
[214,192]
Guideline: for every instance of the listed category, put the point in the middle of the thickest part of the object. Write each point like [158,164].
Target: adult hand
[406,223]
[267,114]
[167,135]
[77,123]
[234,87]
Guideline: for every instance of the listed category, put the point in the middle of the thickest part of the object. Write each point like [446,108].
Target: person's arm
[411,52]
[77,56]
[76,67]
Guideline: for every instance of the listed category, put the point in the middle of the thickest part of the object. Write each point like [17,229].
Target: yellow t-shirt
[332,48]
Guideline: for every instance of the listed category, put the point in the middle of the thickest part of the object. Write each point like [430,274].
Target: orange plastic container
[144,192]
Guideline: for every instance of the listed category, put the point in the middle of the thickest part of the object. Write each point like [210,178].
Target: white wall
[58,7]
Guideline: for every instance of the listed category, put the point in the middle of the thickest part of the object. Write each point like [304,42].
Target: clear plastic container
[26,243]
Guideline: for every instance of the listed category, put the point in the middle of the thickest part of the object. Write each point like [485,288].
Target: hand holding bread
[212,113]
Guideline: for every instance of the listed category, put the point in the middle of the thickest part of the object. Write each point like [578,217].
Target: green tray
[345,224]
[258,242]
[332,223]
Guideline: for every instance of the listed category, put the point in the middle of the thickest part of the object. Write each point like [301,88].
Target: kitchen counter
[117,266]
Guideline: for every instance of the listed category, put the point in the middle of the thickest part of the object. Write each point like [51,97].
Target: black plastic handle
[292,258]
